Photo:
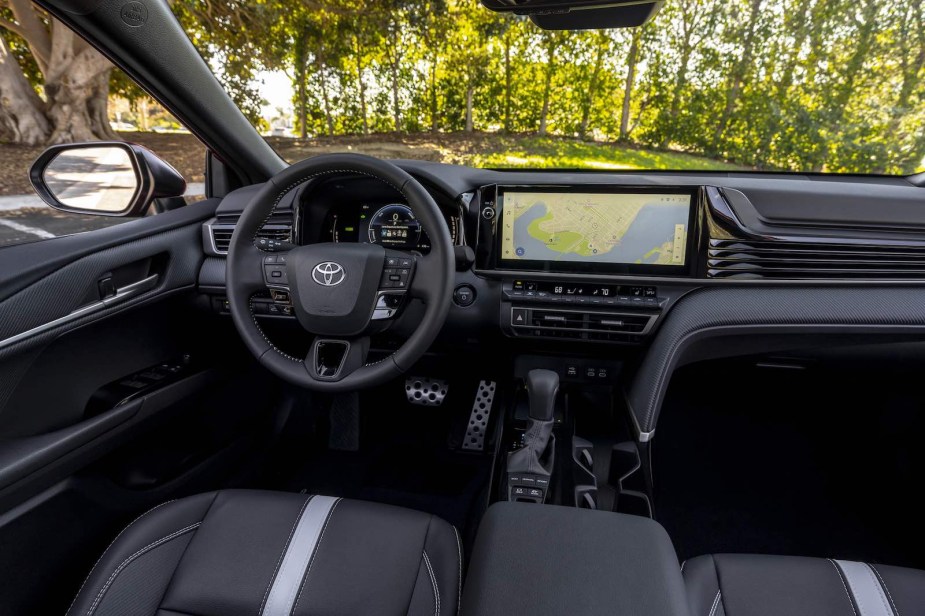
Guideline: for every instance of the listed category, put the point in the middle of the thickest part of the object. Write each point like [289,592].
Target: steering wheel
[341,293]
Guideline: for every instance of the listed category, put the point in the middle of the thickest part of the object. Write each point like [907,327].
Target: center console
[547,560]
[584,262]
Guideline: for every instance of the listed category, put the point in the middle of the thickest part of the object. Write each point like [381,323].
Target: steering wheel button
[394,277]
[405,263]
[392,261]
[269,259]
[276,274]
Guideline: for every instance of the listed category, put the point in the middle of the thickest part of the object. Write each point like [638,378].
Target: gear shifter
[530,467]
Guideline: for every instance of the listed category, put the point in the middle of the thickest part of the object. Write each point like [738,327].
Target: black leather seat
[267,553]
[750,585]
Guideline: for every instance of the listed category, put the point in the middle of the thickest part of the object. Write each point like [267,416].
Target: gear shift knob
[542,387]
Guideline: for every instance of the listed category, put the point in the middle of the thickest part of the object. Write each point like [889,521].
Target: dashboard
[659,269]
[603,258]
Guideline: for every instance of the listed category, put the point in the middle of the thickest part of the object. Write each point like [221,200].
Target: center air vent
[279,227]
[747,259]
[580,325]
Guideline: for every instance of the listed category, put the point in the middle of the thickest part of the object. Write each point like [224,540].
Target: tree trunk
[301,93]
[326,100]
[143,113]
[547,86]
[98,105]
[507,83]
[361,87]
[396,104]
[72,84]
[470,94]
[588,102]
[21,117]
[680,84]
[434,117]
[628,87]
[739,72]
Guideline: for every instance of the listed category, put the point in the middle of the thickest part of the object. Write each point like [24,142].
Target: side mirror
[103,178]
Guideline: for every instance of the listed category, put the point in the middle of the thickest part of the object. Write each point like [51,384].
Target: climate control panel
[578,310]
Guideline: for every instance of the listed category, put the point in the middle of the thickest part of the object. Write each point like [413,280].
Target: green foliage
[802,85]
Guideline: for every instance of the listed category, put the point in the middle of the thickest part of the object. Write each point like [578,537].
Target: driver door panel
[78,313]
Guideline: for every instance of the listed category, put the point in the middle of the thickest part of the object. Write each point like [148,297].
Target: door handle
[130,290]
[122,294]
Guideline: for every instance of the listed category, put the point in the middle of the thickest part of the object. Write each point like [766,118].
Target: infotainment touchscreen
[607,228]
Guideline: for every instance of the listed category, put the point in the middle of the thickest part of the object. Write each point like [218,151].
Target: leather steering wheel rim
[433,284]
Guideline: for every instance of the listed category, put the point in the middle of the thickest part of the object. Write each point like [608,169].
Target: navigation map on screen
[622,228]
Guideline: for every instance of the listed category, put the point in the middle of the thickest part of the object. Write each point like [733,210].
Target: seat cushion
[271,553]
[751,585]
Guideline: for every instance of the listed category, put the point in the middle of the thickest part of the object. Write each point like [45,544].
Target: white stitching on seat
[433,580]
[719,593]
[844,584]
[131,558]
[281,554]
[314,554]
[112,543]
[885,587]
[459,581]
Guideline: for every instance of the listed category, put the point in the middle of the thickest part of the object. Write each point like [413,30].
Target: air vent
[580,325]
[279,227]
[746,259]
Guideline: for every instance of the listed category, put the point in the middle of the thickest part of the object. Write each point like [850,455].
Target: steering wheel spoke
[333,359]
[427,269]
[251,276]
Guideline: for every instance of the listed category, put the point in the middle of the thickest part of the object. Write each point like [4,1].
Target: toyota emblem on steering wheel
[329,274]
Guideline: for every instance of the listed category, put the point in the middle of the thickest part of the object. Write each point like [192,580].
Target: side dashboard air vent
[760,259]
[279,227]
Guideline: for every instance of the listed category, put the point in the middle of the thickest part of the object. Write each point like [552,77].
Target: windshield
[769,85]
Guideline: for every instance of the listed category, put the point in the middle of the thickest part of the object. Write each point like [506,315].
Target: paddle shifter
[530,467]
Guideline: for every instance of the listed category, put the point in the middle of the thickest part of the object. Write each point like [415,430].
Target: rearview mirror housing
[103,178]
[580,14]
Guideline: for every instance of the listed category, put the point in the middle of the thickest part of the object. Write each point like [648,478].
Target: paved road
[25,218]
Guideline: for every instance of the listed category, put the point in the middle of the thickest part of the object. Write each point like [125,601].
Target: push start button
[464,295]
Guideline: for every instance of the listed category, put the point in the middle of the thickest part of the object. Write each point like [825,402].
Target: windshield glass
[769,85]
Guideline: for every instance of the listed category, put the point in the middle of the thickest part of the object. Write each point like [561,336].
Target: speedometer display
[391,224]
[394,226]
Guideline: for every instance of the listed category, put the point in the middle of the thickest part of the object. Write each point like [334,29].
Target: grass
[547,152]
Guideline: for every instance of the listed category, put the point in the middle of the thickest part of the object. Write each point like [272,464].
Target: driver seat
[276,554]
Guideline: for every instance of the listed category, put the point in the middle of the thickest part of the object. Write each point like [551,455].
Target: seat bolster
[702,583]
[905,589]
[443,560]
[148,535]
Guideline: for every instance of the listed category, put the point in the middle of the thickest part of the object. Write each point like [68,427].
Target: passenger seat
[751,585]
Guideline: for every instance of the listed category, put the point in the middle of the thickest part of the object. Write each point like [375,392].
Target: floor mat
[791,462]
[404,459]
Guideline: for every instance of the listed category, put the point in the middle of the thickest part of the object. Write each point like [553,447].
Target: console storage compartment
[545,559]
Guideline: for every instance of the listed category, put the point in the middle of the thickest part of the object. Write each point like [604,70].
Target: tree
[631,65]
[73,80]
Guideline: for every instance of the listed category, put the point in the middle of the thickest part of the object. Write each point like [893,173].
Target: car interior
[351,385]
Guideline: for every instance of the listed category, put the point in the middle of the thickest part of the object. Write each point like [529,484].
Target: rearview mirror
[580,14]
[103,178]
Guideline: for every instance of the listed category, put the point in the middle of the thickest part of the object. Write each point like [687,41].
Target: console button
[464,296]
[518,316]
